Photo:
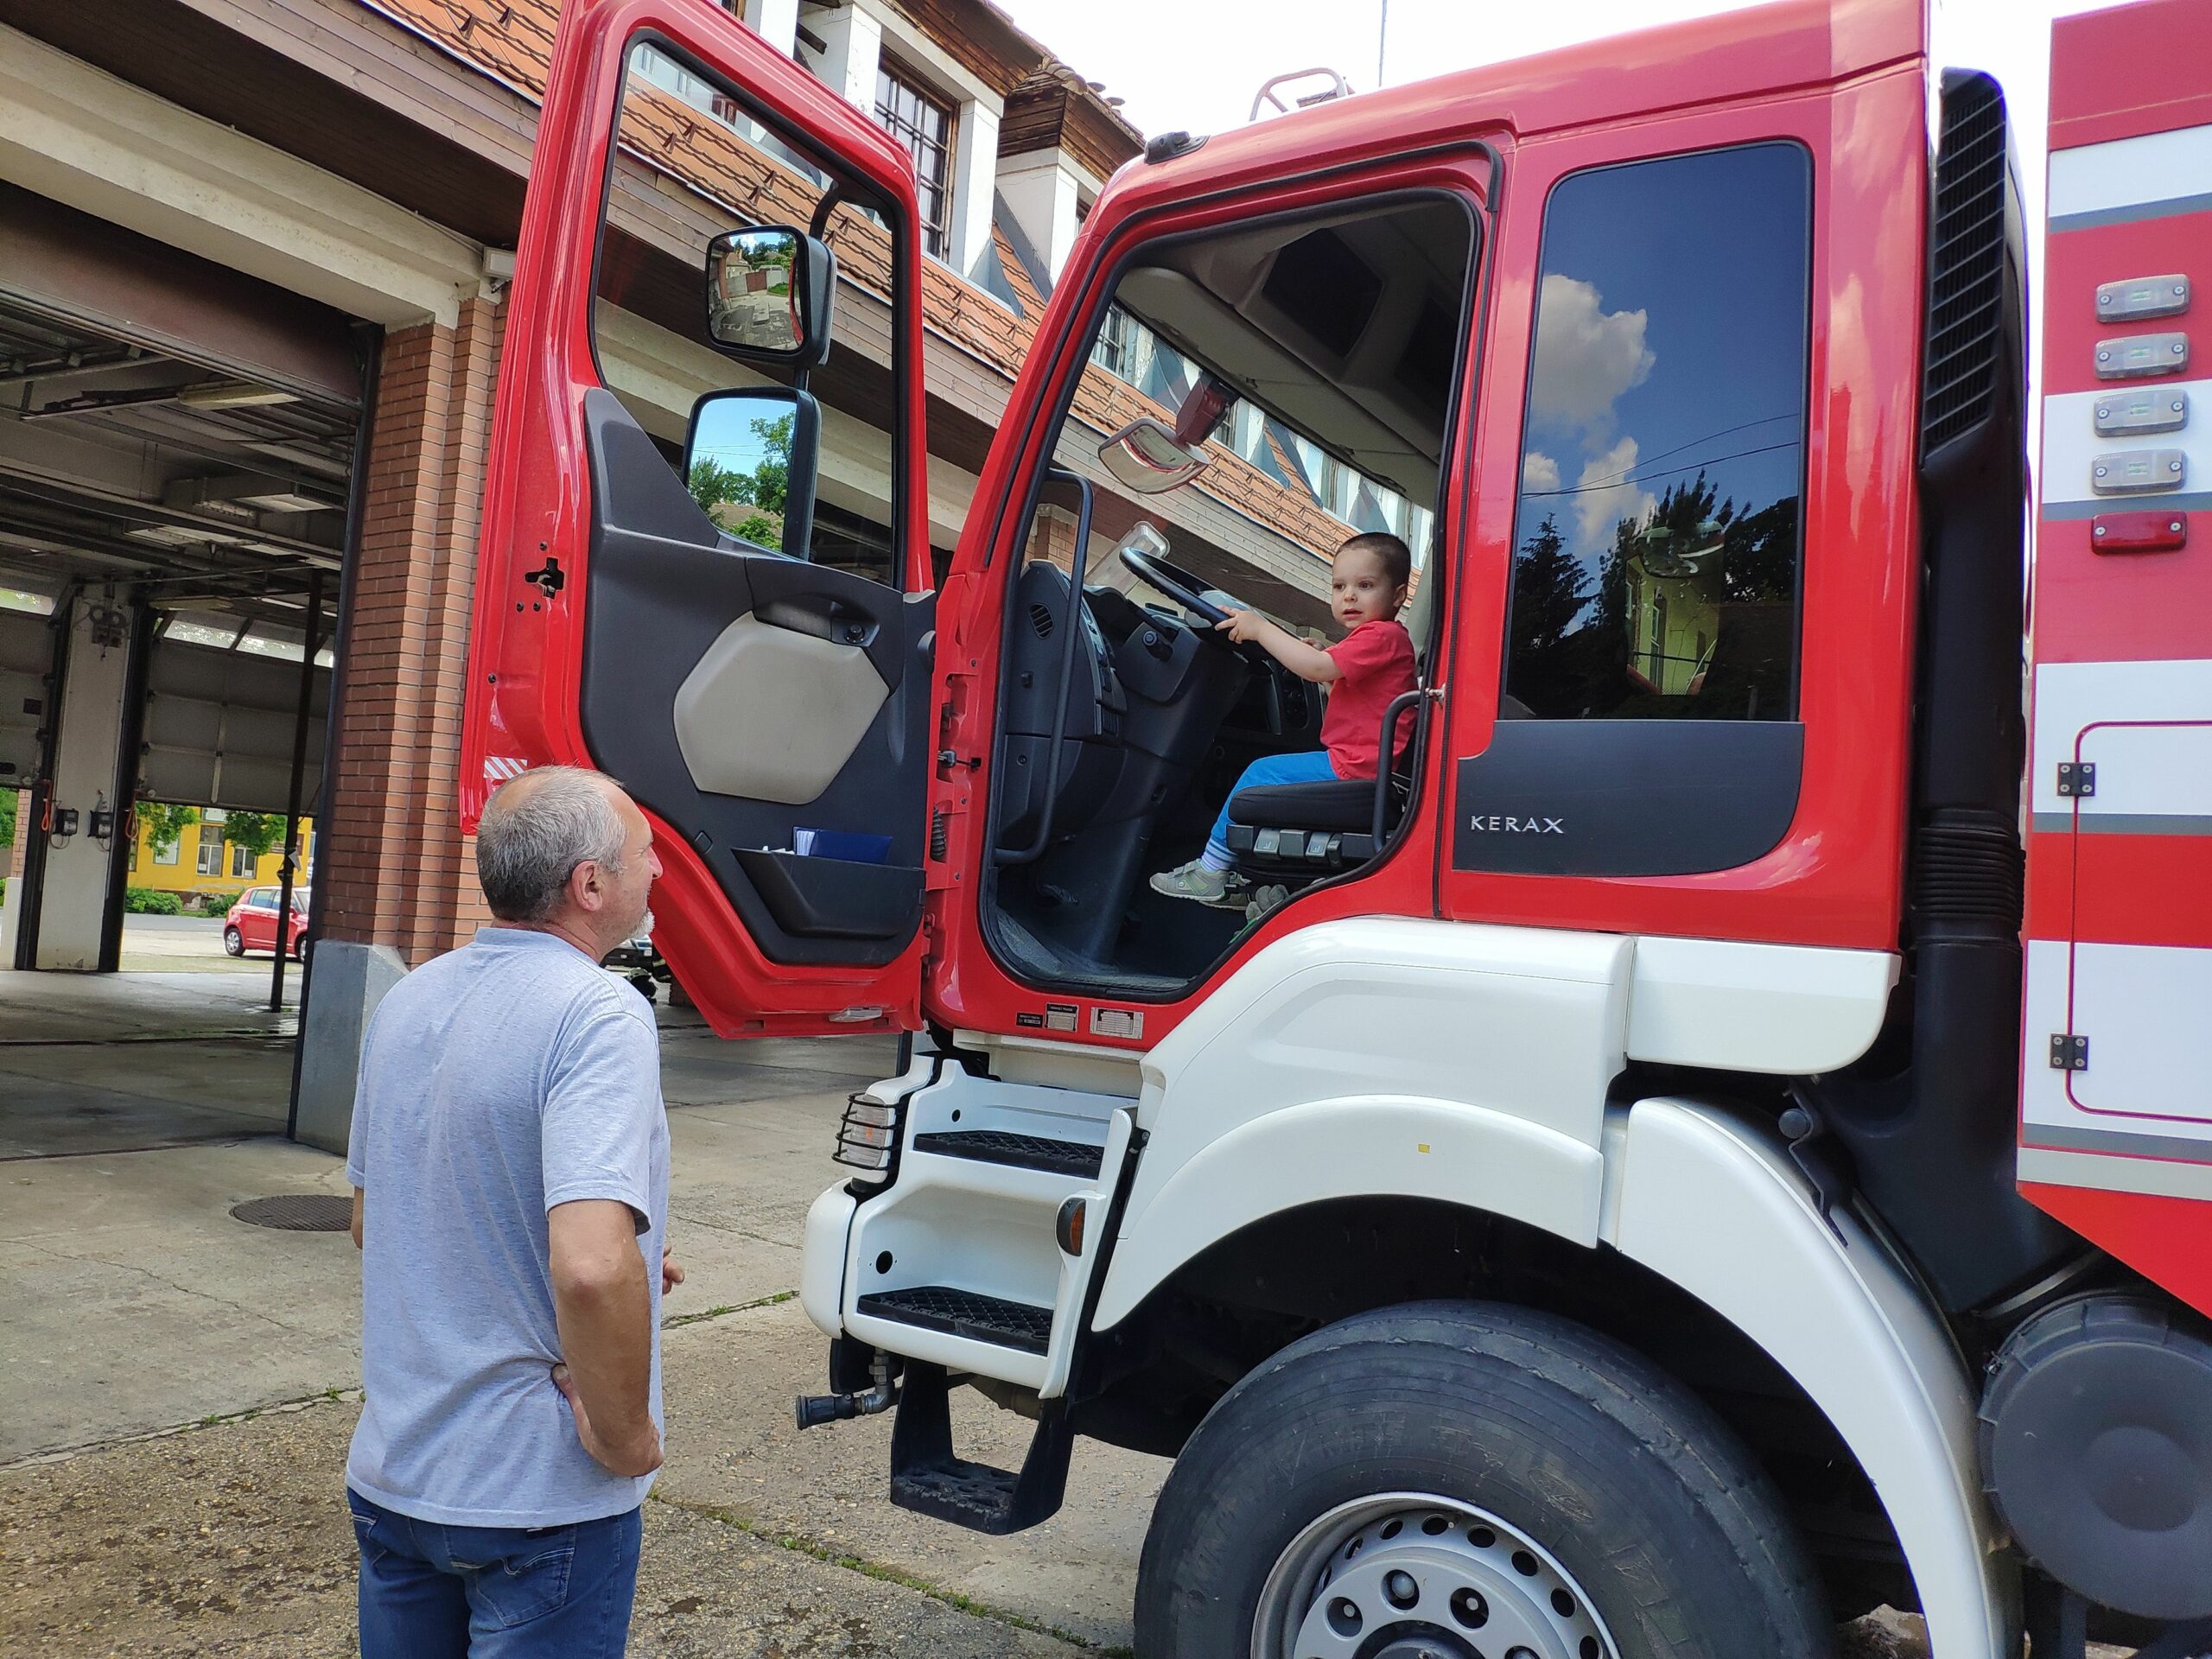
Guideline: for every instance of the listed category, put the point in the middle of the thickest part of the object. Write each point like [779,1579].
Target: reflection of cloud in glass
[1589,356]
[1605,493]
[1539,471]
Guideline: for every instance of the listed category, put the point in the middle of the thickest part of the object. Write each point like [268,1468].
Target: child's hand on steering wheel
[1242,625]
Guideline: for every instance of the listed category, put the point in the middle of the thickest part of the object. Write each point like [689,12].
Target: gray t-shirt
[501,1079]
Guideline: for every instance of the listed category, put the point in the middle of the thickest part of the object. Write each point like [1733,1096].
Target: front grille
[1967,263]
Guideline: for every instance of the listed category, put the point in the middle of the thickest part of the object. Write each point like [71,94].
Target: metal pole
[292,798]
[1381,43]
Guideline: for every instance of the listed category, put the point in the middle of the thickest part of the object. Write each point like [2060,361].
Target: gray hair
[535,832]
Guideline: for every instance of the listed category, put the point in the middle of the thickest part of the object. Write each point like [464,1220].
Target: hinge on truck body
[2077,779]
[2068,1052]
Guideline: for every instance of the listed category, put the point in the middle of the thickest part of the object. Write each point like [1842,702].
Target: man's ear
[584,890]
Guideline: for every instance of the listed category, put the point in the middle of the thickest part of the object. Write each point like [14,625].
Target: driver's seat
[1312,829]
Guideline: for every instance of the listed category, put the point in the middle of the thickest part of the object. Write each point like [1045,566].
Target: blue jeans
[432,1592]
[1305,766]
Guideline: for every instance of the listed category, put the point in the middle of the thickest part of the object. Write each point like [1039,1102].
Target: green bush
[151,901]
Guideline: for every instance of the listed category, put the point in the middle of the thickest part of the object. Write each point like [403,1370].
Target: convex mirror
[750,460]
[770,293]
[1147,458]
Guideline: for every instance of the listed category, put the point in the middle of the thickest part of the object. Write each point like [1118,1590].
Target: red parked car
[250,923]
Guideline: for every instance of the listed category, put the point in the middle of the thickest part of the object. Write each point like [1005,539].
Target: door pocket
[833,898]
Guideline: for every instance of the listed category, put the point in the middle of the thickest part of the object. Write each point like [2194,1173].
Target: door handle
[825,617]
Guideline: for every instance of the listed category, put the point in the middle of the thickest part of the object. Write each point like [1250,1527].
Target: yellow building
[200,861]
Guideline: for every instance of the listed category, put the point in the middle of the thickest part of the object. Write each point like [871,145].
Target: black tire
[1636,1489]
[233,942]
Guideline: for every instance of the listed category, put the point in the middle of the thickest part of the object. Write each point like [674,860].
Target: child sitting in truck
[1372,663]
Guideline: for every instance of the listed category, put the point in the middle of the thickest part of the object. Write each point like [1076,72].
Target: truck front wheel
[1454,1479]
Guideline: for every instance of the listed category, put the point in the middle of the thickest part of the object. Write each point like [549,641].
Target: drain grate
[297,1212]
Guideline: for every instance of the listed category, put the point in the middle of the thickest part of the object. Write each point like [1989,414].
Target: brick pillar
[401,874]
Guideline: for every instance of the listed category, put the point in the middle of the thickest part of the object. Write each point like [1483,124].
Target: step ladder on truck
[1717,1137]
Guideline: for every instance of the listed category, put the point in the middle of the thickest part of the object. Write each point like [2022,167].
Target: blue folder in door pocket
[849,845]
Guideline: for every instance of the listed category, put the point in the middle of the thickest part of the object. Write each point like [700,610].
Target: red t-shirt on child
[1375,663]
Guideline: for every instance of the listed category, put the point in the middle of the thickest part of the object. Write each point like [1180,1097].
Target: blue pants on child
[1305,766]
[432,1592]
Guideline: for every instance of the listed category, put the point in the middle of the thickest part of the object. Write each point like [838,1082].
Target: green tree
[259,833]
[165,822]
[7,817]
[769,485]
[712,484]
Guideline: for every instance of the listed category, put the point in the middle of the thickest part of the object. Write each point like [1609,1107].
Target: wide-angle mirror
[1145,457]
[768,294]
[750,460]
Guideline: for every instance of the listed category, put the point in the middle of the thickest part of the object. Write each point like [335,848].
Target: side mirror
[769,296]
[750,457]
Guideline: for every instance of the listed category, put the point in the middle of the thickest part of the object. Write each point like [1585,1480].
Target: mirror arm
[1069,632]
[828,204]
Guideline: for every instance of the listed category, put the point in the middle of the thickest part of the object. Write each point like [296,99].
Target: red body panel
[525,663]
[1750,75]
[2118,1151]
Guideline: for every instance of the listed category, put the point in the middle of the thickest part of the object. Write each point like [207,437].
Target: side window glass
[695,161]
[1658,536]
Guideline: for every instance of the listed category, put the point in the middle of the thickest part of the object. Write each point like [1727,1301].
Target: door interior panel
[828,682]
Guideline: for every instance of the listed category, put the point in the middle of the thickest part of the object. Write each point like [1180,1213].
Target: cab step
[928,1478]
[1020,1151]
[963,1314]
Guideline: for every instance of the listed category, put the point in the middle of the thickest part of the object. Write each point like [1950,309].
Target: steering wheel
[1177,584]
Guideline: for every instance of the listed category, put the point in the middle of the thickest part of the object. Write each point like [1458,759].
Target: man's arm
[603,1307]
[359,1196]
[1307,661]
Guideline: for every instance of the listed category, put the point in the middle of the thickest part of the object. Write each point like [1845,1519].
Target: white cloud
[1606,495]
[1587,356]
[1539,471]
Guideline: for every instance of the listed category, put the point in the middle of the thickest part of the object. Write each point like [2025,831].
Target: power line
[1639,478]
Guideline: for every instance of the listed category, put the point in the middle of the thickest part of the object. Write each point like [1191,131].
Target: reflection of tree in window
[720,490]
[1658,532]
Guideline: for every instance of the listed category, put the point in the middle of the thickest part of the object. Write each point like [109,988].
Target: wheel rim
[1410,1575]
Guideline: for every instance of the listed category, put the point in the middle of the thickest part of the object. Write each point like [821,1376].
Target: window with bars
[924,124]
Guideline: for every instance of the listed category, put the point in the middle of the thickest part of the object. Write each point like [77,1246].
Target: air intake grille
[1966,297]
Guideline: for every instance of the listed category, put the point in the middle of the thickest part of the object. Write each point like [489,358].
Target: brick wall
[400,872]
[20,851]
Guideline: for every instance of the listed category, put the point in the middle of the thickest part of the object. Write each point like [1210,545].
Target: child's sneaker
[1220,888]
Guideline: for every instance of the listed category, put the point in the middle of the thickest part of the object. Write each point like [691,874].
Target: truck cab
[1573,1206]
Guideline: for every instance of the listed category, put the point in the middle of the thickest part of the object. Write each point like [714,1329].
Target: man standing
[510,1161]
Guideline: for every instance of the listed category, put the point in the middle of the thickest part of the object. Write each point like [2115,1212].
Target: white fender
[1710,1201]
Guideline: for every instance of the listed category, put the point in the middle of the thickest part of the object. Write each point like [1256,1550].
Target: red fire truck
[1712,1140]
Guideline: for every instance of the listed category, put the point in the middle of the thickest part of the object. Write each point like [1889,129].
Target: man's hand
[641,1456]
[671,1272]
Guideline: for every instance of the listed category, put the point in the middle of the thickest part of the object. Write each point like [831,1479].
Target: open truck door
[758,683]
